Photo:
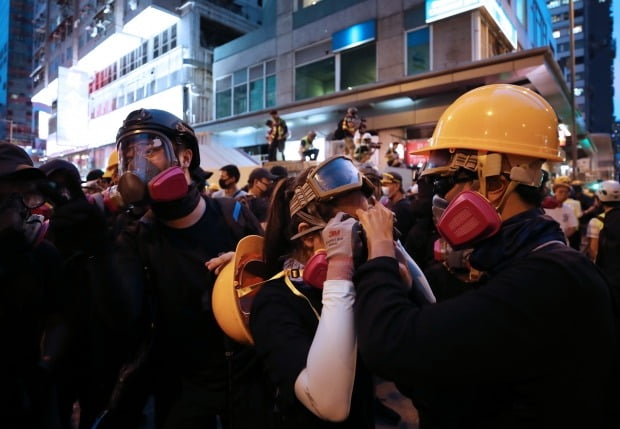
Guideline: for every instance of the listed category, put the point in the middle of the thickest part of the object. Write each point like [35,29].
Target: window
[270,83]
[223,97]
[418,51]
[256,88]
[358,66]
[315,79]
[240,93]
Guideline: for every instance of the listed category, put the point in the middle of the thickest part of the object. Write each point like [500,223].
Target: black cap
[261,173]
[16,164]
[391,177]
[279,171]
[94,174]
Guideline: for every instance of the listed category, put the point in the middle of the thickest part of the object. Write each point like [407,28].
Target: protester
[306,150]
[515,351]
[277,135]
[392,188]
[228,181]
[159,280]
[260,183]
[345,130]
[608,243]
[93,350]
[303,324]
[33,294]
[562,212]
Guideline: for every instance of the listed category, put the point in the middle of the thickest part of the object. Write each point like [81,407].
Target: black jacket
[283,326]
[531,348]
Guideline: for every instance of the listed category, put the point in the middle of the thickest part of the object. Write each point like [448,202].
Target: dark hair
[281,227]
[232,171]
[273,112]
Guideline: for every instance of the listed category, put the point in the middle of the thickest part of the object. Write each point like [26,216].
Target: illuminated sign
[354,36]
[437,10]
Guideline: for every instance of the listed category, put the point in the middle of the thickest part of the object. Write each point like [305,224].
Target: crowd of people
[466,292]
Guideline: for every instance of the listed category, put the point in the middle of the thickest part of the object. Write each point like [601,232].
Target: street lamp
[10,122]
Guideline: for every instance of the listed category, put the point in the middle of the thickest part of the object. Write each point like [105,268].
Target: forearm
[325,386]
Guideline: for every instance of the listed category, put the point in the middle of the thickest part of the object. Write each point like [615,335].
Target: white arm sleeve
[325,386]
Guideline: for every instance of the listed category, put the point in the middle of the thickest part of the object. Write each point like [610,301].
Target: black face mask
[223,184]
[171,210]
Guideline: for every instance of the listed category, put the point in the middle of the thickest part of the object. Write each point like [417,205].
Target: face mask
[315,270]
[385,191]
[468,219]
[223,184]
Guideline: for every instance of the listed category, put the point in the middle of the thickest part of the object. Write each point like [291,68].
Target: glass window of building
[256,88]
[315,79]
[358,66]
[240,94]
[270,83]
[223,97]
[418,51]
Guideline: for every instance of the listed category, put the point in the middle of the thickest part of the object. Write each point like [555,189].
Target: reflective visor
[335,177]
[145,154]
[332,177]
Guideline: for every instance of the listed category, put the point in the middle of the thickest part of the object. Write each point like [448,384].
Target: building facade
[15,85]
[97,60]
[400,62]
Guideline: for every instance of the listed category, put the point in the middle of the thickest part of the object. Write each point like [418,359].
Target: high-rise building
[94,61]
[15,67]
[401,63]
[594,53]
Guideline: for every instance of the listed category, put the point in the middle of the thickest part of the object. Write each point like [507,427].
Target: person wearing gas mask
[157,280]
[302,319]
[534,345]
[93,354]
[32,298]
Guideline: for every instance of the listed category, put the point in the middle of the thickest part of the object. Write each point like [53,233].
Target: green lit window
[223,97]
[315,79]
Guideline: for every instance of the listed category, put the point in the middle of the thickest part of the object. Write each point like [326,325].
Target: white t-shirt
[594,226]
[564,215]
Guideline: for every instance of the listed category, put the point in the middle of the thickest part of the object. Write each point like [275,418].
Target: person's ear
[308,239]
[185,158]
[496,189]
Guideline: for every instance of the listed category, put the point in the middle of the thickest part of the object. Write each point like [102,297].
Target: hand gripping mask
[468,219]
[315,270]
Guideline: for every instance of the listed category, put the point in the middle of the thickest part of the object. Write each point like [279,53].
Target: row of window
[318,71]
[160,44]
[246,90]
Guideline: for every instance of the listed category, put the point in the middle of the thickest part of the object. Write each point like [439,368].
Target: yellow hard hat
[562,181]
[111,165]
[500,118]
[236,286]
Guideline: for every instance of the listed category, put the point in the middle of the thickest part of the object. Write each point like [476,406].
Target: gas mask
[468,219]
[19,227]
[315,270]
[149,169]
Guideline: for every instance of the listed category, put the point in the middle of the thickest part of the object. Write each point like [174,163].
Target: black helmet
[159,120]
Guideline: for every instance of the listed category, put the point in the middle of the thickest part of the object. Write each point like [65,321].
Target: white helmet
[609,191]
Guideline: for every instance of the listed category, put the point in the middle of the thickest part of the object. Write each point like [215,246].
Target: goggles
[331,178]
[145,154]
[29,193]
[447,162]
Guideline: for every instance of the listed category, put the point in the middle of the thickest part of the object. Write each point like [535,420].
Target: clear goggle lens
[145,154]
